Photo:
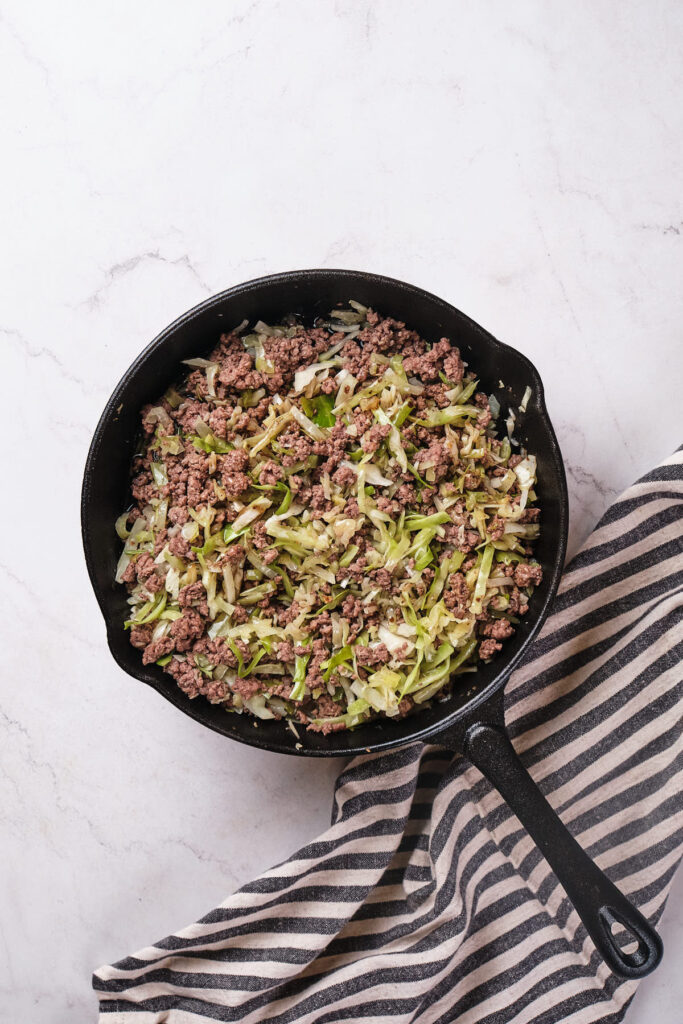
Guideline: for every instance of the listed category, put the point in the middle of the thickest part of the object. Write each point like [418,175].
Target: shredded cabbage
[369,549]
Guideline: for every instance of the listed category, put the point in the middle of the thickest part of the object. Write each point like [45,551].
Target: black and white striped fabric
[426,901]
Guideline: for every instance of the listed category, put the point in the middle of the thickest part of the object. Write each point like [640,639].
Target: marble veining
[522,161]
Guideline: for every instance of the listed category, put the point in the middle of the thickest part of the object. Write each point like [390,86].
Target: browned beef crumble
[224,479]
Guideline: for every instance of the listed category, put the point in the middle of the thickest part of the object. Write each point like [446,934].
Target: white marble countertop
[522,161]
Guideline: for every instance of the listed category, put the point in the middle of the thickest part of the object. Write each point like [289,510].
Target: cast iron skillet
[471,720]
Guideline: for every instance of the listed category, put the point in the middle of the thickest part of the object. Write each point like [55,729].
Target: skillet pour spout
[471,719]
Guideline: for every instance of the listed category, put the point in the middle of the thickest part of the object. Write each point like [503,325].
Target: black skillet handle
[598,902]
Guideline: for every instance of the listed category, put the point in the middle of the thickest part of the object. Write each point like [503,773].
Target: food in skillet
[329,524]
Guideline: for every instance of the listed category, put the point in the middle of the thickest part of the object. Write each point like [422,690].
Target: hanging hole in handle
[626,941]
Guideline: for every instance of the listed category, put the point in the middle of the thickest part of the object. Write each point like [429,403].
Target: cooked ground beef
[337,507]
[526,575]
[487,648]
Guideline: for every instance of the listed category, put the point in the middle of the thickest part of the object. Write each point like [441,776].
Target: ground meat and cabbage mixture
[329,525]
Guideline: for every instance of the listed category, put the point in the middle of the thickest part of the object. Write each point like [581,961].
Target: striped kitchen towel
[426,901]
